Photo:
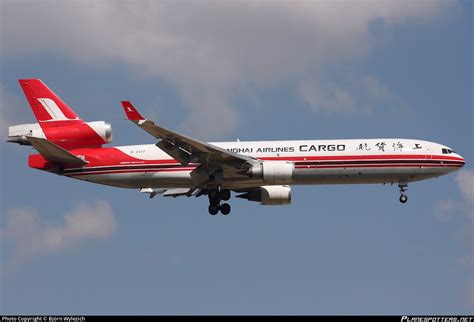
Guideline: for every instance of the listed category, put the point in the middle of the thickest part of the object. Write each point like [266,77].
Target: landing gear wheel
[214,201]
[213,210]
[403,198]
[403,188]
[225,209]
[213,194]
[225,194]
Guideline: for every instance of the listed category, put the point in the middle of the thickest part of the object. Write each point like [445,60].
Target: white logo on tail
[53,109]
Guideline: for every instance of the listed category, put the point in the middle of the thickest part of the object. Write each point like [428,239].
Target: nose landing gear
[215,198]
[403,198]
[403,188]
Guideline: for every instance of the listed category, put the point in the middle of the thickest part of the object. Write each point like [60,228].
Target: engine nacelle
[273,172]
[77,135]
[269,195]
[18,133]
[102,128]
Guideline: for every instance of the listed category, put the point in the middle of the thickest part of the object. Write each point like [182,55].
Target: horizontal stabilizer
[54,153]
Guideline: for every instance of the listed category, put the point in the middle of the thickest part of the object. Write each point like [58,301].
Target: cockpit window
[447,151]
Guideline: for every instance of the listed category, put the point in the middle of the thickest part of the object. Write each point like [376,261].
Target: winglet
[131,111]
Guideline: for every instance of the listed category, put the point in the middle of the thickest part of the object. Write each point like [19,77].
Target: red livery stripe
[301,162]
[377,166]
[366,157]
[130,171]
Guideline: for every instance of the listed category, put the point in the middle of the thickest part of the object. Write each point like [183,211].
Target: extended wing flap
[176,192]
[54,153]
[171,192]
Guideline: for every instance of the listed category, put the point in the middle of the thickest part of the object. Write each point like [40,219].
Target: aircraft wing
[188,150]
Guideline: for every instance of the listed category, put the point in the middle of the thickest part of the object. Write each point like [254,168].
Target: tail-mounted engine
[57,122]
[77,135]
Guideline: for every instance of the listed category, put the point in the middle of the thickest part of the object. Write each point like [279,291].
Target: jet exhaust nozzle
[20,139]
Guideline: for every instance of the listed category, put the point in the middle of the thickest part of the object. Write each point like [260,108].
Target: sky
[252,70]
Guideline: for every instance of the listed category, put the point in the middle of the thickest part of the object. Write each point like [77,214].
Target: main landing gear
[215,198]
[403,188]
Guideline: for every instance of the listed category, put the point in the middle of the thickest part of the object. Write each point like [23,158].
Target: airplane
[178,165]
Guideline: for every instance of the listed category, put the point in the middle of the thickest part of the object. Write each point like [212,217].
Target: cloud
[462,209]
[467,261]
[360,95]
[446,209]
[468,293]
[3,118]
[13,110]
[210,50]
[465,181]
[29,237]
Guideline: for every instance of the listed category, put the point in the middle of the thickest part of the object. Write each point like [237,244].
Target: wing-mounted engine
[68,136]
[269,195]
[273,172]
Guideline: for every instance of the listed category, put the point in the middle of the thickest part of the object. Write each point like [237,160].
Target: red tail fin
[59,123]
[46,105]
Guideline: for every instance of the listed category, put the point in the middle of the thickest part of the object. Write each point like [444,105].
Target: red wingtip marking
[131,112]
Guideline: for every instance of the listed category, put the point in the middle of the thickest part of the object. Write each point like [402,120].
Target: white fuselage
[315,162]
